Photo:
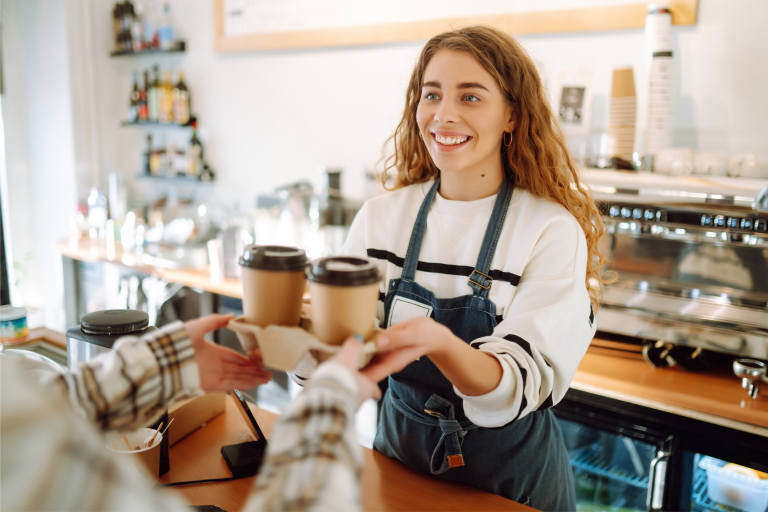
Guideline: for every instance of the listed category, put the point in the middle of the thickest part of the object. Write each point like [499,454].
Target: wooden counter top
[715,396]
[386,485]
[85,249]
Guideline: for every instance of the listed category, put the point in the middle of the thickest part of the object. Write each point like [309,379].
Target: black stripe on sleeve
[546,404]
[520,341]
[382,297]
[442,268]
[591,315]
[524,401]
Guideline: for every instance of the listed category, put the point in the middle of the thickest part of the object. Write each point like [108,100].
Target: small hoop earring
[504,139]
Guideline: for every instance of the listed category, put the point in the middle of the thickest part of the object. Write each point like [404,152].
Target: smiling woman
[492,282]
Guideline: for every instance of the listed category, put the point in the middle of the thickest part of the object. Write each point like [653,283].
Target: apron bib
[422,419]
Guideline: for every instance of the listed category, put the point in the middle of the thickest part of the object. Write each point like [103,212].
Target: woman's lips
[449,141]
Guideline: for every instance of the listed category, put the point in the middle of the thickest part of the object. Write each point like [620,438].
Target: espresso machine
[691,253]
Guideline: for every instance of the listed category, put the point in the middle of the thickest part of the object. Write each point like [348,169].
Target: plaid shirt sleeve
[314,461]
[54,456]
[132,385]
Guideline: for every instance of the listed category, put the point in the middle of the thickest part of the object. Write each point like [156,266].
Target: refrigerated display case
[627,457]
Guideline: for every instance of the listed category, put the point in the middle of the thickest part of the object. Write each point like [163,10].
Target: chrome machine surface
[692,258]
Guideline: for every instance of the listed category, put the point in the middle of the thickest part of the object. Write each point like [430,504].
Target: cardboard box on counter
[192,413]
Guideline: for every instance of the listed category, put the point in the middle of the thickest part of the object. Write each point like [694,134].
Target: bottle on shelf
[133,109]
[117,25]
[165,99]
[194,154]
[181,101]
[148,156]
[149,17]
[143,99]
[137,29]
[127,21]
[165,29]
[153,97]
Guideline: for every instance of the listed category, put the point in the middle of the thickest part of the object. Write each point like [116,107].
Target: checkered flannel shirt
[53,455]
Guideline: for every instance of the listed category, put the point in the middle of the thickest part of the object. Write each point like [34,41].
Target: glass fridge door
[612,472]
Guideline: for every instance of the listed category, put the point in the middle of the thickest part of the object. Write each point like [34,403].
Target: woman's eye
[471,97]
[430,96]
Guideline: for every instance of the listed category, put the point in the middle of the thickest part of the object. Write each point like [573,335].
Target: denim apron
[422,419]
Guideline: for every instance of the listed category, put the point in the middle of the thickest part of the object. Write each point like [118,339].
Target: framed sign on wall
[252,25]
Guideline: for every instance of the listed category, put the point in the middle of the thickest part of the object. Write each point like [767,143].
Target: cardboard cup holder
[283,347]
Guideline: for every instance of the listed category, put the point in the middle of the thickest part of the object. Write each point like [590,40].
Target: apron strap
[417,234]
[479,280]
[447,454]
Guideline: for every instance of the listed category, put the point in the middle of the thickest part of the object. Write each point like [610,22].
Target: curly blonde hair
[537,158]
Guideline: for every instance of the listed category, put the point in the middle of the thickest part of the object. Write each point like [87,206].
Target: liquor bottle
[194,154]
[148,156]
[133,109]
[117,26]
[165,29]
[153,96]
[165,99]
[181,101]
[143,99]
[148,18]
[127,21]
[137,28]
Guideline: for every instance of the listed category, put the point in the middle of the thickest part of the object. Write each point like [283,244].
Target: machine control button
[614,211]
[650,214]
[719,221]
[746,224]
[733,223]
[661,216]
[706,220]
[761,225]
[626,212]
[637,213]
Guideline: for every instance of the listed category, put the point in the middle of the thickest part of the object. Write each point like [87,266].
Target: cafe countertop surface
[715,396]
[387,485]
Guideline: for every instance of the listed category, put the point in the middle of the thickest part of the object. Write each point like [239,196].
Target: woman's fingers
[386,363]
[209,323]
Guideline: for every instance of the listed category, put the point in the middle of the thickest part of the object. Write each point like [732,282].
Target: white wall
[270,118]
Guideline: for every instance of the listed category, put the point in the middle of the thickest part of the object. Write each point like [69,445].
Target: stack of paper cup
[621,128]
[658,33]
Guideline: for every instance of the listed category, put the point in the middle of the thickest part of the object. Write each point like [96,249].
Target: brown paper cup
[339,312]
[272,297]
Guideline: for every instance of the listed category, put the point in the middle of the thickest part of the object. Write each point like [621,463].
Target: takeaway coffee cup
[345,292]
[273,284]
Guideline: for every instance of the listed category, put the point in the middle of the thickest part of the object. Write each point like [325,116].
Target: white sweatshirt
[545,316]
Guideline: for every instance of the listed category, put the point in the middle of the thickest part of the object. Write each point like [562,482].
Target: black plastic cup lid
[343,271]
[274,257]
[114,321]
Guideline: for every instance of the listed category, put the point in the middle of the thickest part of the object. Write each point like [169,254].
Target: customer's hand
[221,368]
[349,357]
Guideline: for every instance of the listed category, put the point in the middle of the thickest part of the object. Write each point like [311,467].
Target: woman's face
[462,114]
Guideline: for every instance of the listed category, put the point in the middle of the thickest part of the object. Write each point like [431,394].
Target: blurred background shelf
[173,179]
[181,48]
[155,124]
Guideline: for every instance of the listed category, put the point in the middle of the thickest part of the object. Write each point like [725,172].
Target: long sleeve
[133,384]
[313,460]
[545,331]
[52,457]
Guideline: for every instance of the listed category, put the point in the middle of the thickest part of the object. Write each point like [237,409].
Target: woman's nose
[446,112]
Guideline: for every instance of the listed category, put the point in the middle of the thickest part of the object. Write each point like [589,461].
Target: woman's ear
[514,114]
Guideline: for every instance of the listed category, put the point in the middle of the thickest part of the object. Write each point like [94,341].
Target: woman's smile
[449,141]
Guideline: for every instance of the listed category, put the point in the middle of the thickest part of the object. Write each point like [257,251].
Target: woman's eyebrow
[472,85]
[431,84]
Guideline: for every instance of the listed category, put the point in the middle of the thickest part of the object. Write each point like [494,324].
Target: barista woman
[488,245]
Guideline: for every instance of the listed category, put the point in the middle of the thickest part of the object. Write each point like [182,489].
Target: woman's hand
[221,368]
[472,371]
[404,343]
